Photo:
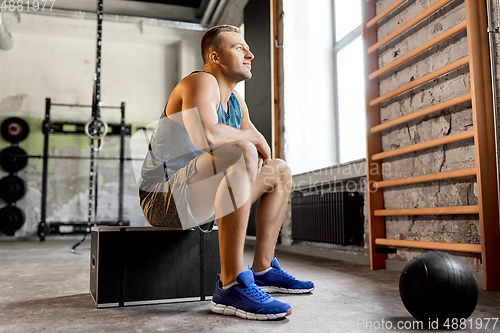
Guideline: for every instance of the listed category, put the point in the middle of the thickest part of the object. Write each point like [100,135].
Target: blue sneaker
[277,280]
[246,300]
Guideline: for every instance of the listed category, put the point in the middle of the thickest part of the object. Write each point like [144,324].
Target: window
[347,17]
[323,83]
[350,81]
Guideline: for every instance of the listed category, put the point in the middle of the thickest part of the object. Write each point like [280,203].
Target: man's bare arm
[200,92]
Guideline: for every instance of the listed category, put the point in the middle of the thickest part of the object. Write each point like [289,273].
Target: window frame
[337,47]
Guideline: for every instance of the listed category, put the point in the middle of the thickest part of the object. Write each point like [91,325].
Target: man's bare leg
[233,226]
[232,201]
[273,186]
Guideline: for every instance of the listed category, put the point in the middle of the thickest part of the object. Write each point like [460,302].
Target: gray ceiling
[185,3]
[207,12]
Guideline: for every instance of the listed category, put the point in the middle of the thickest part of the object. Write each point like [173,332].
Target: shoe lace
[256,293]
[285,274]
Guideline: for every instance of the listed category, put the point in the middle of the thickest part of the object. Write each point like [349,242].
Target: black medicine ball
[438,286]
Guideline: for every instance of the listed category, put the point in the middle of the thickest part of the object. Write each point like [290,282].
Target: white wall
[55,57]
[308,85]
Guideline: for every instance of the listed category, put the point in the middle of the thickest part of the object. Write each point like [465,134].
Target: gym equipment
[12,188]
[11,219]
[13,159]
[93,130]
[49,128]
[85,158]
[485,171]
[93,127]
[438,286]
[15,129]
[72,127]
[96,123]
[152,265]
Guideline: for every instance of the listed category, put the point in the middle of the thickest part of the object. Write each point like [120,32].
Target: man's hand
[263,150]
[260,162]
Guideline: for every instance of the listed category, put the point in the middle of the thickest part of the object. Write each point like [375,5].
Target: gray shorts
[167,204]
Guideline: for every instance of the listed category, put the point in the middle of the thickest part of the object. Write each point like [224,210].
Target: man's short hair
[211,39]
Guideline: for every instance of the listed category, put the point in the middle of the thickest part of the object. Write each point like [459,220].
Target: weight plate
[15,129]
[13,159]
[11,219]
[12,188]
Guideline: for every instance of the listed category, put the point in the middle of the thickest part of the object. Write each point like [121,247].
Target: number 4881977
[26,5]
[478,323]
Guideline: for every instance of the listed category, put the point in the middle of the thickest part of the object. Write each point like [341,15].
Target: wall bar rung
[424,79]
[429,211]
[417,18]
[384,12]
[424,145]
[427,178]
[419,50]
[423,112]
[459,247]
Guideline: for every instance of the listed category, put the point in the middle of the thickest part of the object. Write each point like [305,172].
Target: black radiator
[335,218]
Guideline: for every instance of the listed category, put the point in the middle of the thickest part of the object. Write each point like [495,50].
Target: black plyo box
[150,265]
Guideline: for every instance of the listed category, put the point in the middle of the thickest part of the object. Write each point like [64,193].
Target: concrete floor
[45,288]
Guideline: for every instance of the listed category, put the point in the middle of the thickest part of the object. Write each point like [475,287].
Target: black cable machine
[93,130]
[77,128]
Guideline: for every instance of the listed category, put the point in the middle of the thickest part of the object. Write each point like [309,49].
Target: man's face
[235,56]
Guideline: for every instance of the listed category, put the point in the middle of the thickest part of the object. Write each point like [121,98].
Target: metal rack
[50,127]
[480,95]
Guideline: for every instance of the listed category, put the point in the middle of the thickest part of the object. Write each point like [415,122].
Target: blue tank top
[233,116]
[171,148]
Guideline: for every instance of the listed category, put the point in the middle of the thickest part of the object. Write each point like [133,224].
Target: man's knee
[280,169]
